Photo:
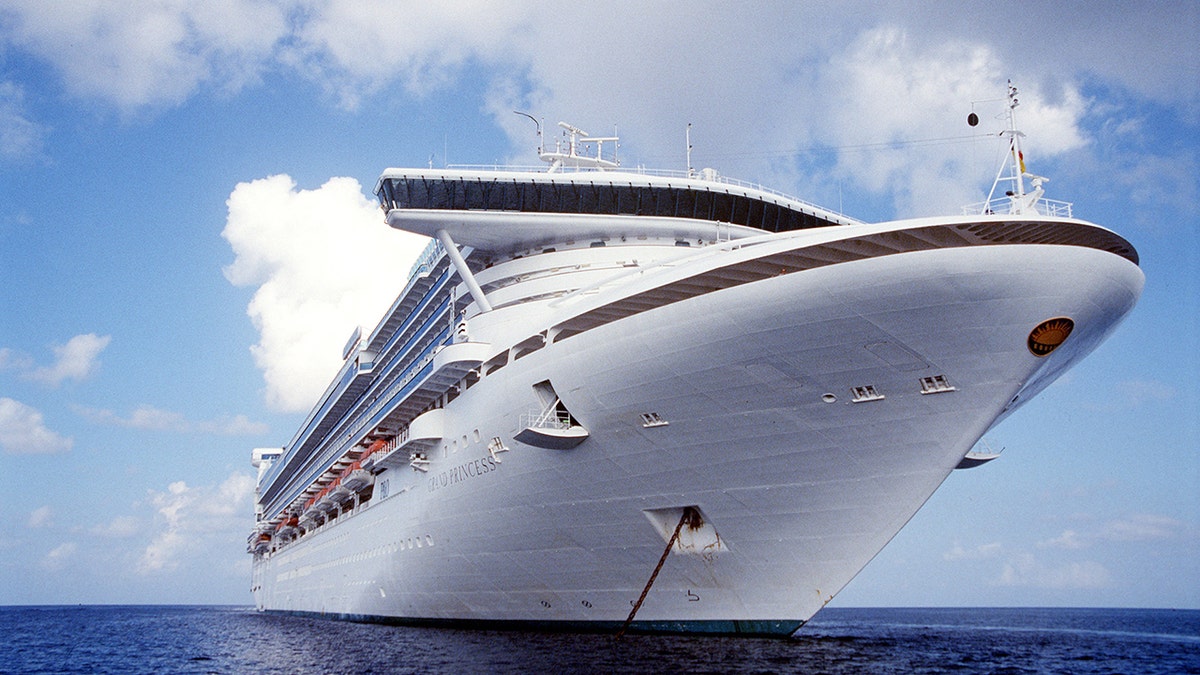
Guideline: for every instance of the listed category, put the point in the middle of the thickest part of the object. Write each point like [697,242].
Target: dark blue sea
[155,639]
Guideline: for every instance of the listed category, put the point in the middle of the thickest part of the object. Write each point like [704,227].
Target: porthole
[829,398]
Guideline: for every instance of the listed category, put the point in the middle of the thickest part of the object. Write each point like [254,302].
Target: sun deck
[601,193]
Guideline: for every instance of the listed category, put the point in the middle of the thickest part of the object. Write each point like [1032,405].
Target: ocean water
[160,639]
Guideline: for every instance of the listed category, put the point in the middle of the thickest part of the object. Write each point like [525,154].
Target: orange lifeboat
[323,502]
[287,526]
[375,447]
[311,510]
[338,493]
[354,478]
[262,542]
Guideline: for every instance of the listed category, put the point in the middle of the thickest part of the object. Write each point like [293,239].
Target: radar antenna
[580,150]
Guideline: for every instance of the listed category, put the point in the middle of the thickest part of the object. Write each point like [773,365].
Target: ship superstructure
[590,367]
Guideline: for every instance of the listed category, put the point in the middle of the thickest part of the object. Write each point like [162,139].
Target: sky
[188,237]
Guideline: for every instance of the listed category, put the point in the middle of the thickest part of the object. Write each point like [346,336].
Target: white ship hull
[799,486]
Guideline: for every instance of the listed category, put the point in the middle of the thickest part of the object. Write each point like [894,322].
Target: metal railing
[550,418]
[1007,206]
[340,443]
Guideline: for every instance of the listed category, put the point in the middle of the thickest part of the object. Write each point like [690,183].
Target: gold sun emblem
[1049,335]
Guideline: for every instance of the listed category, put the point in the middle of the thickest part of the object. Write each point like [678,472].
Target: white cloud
[148,52]
[882,110]
[238,425]
[192,520]
[323,262]
[981,552]
[23,431]
[1069,540]
[148,417]
[120,527]
[59,556]
[1025,570]
[20,137]
[1141,527]
[356,47]
[158,52]
[12,360]
[75,360]
[768,106]
[890,86]
[42,516]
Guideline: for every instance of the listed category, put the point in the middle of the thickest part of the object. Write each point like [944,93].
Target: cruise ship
[612,400]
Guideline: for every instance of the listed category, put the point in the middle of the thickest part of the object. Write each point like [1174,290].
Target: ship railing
[417,323]
[709,175]
[429,256]
[331,397]
[396,441]
[425,264]
[1052,208]
[365,419]
[545,419]
[433,250]
[383,365]
[410,373]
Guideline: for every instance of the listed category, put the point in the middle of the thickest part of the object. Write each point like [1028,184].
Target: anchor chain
[689,514]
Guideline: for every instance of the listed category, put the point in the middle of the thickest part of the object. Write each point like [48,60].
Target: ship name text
[462,472]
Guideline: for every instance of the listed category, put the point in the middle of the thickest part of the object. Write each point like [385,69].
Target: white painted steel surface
[802,492]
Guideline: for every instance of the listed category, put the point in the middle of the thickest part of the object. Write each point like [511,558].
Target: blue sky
[187,238]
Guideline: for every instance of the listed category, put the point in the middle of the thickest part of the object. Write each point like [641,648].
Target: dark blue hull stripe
[779,628]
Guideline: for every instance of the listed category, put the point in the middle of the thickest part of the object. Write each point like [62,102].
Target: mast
[1020,202]
[688,141]
[1014,142]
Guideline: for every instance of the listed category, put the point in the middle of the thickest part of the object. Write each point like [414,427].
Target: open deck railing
[545,419]
[340,442]
[1006,206]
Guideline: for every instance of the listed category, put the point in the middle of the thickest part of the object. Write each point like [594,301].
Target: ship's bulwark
[739,403]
